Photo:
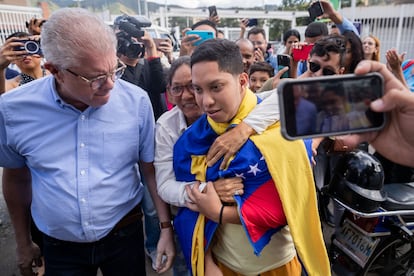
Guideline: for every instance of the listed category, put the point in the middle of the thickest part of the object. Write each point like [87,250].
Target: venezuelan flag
[263,208]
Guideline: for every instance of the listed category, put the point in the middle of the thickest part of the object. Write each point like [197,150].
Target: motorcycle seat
[400,196]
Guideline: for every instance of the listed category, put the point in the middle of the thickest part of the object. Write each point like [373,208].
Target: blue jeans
[151,222]
[120,253]
[180,266]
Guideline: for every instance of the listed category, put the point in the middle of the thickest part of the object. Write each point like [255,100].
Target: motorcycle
[376,234]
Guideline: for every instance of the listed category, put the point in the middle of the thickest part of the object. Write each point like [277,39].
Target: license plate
[358,244]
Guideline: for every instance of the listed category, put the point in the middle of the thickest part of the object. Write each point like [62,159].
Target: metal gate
[392,24]
[13,19]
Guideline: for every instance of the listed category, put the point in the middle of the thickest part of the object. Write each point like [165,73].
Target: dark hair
[315,29]
[262,66]
[18,34]
[357,50]
[336,87]
[183,60]
[225,52]
[255,31]
[205,22]
[330,44]
[289,33]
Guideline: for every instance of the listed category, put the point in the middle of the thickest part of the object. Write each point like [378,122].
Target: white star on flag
[254,169]
[241,175]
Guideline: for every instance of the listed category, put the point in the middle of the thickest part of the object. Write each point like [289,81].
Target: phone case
[283,61]
[315,10]
[212,11]
[204,35]
[158,41]
[302,54]
[252,22]
[358,91]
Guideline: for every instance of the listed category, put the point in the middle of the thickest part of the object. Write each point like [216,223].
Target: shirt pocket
[120,149]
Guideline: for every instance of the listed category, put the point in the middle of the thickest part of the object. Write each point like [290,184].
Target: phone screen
[330,105]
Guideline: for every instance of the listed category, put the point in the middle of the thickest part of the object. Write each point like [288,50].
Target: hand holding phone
[315,10]
[159,42]
[251,22]
[301,51]
[202,34]
[258,54]
[330,105]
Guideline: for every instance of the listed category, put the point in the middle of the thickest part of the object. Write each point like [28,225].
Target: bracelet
[165,224]
[151,58]
[221,214]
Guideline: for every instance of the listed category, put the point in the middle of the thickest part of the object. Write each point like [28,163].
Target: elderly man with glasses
[75,145]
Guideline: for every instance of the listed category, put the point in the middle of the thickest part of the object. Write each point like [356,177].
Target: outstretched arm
[17,191]
[396,140]
[341,22]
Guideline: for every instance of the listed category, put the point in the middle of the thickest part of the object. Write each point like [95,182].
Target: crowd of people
[96,134]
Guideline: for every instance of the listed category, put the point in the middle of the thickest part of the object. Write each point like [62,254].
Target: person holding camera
[137,49]
[77,145]
[23,50]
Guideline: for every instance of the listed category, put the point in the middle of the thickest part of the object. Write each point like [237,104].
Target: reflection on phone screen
[332,107]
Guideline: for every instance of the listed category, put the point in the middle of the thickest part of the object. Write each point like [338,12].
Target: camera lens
[31,47]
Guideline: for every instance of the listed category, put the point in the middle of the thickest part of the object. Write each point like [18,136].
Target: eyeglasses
[314,67]
[179,89]
[96,82]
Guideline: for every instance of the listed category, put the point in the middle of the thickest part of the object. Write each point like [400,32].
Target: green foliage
[291,5]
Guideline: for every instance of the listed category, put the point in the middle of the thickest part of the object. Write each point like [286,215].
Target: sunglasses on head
[314,67]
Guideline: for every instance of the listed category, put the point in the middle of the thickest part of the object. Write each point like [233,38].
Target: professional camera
[128,32]
[32,47]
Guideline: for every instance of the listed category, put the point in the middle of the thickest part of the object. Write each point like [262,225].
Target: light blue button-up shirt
[85,175]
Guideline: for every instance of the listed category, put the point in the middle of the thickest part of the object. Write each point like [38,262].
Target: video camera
[130,27]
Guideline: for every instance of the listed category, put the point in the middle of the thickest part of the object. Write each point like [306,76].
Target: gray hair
[72,34]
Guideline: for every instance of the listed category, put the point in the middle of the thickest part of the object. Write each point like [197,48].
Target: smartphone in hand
[212,10]
[158,41]
[283,61]
[203,34]
[302,53]
[330,105]
[252,22]
[315,10]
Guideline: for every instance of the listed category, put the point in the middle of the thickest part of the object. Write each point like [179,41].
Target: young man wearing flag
[275,224]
